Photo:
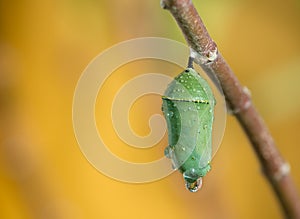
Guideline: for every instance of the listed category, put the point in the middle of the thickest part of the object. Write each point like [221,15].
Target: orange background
[45,46]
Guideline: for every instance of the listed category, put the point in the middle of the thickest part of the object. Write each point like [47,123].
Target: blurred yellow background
[45,46]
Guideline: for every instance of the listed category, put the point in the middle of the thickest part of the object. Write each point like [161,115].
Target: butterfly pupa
[188,107]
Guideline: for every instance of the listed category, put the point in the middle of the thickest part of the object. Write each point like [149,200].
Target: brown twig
[239,101]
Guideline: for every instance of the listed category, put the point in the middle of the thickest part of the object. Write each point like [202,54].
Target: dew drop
[168,152]
[194,186]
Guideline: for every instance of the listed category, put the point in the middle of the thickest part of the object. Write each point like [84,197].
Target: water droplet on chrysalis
[193,181]
[168,152]
[194,186]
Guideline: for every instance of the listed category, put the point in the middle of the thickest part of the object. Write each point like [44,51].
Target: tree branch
[239,101]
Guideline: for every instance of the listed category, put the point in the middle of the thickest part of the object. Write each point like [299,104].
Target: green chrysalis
[188,107]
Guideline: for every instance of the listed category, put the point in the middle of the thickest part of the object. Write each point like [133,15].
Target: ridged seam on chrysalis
[184,100]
